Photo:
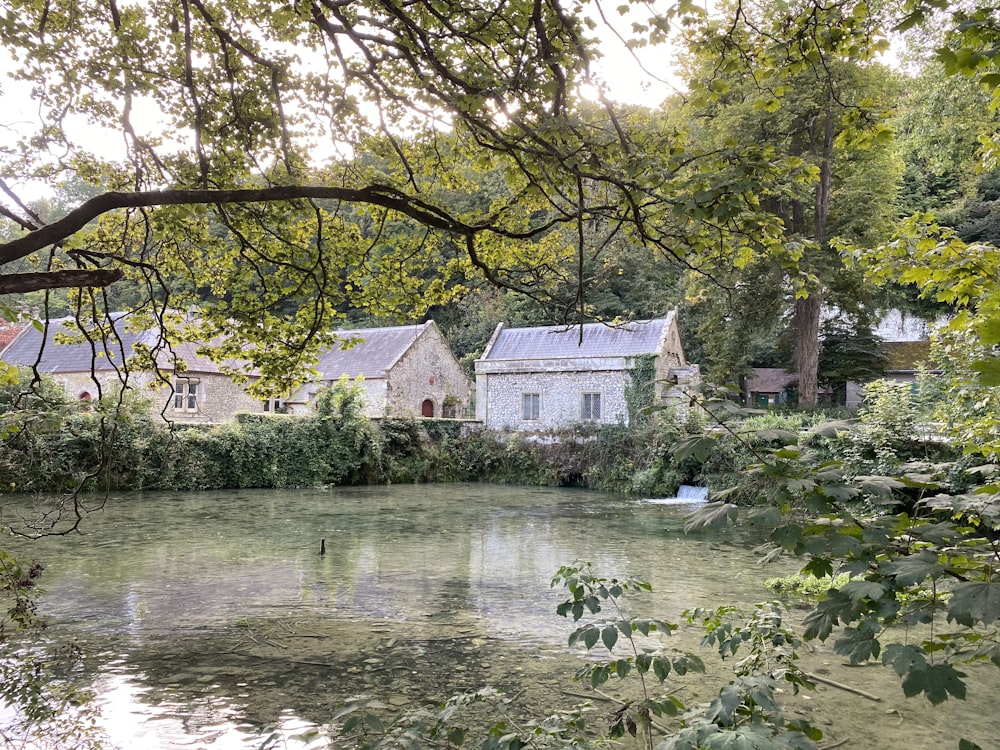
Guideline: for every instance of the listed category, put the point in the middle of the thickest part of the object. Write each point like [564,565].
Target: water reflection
[212,619]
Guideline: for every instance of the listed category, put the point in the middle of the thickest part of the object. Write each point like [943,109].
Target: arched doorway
[427,408]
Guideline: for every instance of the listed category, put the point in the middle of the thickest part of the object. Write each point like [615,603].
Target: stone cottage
[92,366]
[403,371]
[555,376]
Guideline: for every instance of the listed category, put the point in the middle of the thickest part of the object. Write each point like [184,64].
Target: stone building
[186,387]
[403,371]
[555,376]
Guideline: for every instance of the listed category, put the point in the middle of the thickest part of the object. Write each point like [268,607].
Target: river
[211,620]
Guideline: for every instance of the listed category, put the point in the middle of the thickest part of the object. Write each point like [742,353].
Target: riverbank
[340,447]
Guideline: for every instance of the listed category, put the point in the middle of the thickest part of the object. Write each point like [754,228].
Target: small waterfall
[692,493]
[686,495]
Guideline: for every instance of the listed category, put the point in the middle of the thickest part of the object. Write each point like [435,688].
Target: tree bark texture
[807,313]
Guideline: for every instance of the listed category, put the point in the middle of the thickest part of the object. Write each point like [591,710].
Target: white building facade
[551,377]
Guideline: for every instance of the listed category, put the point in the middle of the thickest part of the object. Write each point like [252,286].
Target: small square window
[275,405]
[591,406]
[186,395]
[529,406]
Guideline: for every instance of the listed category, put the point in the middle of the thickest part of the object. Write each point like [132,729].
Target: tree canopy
[265,154]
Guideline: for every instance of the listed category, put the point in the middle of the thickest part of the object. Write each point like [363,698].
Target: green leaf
[788,537]
[622,668]
[914,569]
[858,590]
[904,658]
[772,436]
[936,682]
[938,533]
[989,329]
[882,486]
[643,662]
[988,369]
[661,668]
[456,735]
[351,724]
[711,514]
[913,19]
[609,636]
[818,567]
[830,429]
[972,603]
[599,675]
[698,447]
[859,644]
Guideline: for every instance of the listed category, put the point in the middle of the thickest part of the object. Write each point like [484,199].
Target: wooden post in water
[322,547]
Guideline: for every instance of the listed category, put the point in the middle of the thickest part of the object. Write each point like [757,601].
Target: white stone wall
[562,381]
[373,394]
[560,399]
[219,399]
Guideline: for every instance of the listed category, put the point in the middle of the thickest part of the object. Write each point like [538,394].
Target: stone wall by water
[560,388]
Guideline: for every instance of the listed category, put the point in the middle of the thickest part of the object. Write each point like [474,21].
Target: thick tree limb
[16,283]
[378,195]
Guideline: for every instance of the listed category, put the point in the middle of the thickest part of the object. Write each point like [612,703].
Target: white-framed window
[275,405]
[529,406]
[185,394]
[590,406]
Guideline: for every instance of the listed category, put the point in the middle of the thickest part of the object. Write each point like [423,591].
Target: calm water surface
[211,620]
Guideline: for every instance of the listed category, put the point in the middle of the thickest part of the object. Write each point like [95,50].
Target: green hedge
[53,446]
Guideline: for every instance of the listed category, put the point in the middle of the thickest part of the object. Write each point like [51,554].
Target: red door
[427,408]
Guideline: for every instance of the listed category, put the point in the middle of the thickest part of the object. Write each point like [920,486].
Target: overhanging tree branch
[377,195]
[17,283]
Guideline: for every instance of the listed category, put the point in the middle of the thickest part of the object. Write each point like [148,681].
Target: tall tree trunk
[806,321]
[807,311]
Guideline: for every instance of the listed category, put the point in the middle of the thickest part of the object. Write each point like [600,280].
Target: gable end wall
[410,378]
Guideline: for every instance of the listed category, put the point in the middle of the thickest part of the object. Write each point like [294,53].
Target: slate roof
[59,358]
[599,340]
[378,351]
[79,357]
[769,380]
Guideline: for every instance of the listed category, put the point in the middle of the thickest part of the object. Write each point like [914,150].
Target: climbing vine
[640,390]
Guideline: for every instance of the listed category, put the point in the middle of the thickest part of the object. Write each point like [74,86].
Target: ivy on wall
[640,391]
